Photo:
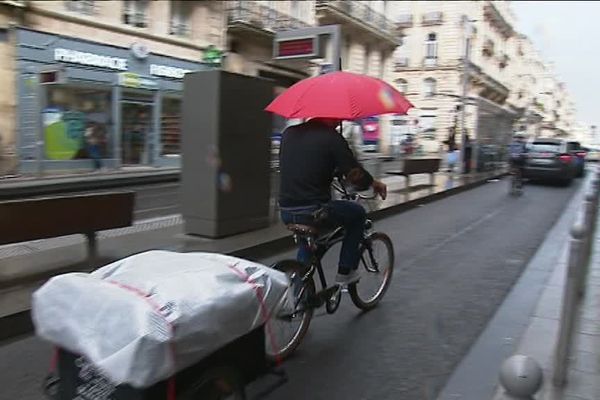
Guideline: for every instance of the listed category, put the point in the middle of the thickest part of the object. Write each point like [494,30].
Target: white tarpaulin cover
[140,319]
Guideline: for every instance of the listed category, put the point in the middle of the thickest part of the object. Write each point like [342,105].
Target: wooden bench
[44,218]
[414,166]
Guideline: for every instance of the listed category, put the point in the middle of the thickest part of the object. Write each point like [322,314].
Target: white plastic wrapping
[141,319]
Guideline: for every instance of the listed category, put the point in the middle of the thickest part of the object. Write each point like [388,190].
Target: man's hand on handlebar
[380,188]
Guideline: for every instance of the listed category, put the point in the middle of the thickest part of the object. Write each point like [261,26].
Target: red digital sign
[296,48]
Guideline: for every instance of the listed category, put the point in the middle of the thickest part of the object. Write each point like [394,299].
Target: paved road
[456,260]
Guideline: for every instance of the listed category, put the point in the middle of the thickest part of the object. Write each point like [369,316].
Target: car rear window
[572,146]
[544,147]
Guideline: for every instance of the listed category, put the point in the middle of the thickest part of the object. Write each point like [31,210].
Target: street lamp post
[465,87]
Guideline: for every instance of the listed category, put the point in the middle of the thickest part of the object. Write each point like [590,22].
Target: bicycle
[304,299]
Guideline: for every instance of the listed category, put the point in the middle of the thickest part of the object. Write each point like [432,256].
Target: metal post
[465,86]
[336,39]
[568,311]
[92,245]
[589,225]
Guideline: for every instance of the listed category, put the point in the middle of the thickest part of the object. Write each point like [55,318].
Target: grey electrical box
[225,184]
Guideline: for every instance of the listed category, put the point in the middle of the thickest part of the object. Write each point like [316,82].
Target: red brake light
[565,158]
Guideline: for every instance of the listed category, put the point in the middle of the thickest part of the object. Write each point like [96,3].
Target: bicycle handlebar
[339,186]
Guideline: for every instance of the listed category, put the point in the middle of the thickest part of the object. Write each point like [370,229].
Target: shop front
[87,105]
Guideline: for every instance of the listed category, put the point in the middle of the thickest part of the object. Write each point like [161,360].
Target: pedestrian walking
[93,140]
[467,151]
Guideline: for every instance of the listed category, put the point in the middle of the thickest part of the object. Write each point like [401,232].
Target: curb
[17,190]
[19,324]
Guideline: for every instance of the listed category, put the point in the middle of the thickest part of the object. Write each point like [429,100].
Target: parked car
[593,155]
[574,148]
[550,159]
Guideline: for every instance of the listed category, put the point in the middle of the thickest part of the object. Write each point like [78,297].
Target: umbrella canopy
[339,95]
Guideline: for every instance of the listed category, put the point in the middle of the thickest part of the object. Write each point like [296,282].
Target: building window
[402,85]
[81,6]
[135,13]
[76,119]
[429,87]
[170,126]
[431,47]
[180,18]
[297,9]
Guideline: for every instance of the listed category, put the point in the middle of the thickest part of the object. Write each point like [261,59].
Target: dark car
[578,152]
[550,159]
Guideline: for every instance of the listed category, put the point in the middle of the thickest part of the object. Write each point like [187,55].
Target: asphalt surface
[456,259]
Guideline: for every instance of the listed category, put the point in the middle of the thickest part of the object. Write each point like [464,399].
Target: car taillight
[565,158]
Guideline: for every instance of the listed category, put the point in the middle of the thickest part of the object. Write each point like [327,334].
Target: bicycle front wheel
[291,321]
[377,258]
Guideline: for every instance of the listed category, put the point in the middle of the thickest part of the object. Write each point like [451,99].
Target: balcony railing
[404,21]
[400,62]
[362,14]
[430,61]
[81,6]
[433,18]
[181,29]
[261,17]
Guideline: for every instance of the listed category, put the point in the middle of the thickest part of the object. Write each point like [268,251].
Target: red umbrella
[340,95]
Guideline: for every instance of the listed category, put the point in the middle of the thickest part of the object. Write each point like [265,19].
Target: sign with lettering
[306,47]
[94,60]
[168,72]
[131,80]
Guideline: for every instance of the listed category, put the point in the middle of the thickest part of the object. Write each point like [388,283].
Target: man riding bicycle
[310,155]
[517,151]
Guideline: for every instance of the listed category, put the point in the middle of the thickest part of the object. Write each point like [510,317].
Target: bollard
[569,304]
[587,240]
[521,377]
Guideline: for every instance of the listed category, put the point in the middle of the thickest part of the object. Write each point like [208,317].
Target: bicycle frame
[320,245]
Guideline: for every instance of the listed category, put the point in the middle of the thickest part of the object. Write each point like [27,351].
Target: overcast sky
[565,32]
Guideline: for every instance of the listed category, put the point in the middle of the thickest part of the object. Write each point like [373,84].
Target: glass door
[136,123]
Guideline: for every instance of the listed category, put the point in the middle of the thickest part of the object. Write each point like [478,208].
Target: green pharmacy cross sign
[212,55]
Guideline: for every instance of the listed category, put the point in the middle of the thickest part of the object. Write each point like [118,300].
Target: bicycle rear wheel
[377,258]
[289,325]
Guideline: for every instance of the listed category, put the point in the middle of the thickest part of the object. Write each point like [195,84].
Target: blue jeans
[344,213]
[94,153]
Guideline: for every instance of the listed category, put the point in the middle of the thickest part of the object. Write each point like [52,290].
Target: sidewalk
[25,266]
[528,323]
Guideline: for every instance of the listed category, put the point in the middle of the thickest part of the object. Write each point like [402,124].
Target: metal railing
[362,13]
[580,252]
[404,21]
[433,18]
[262,17]
[579,257]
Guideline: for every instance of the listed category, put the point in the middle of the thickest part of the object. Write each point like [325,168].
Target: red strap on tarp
[263,307]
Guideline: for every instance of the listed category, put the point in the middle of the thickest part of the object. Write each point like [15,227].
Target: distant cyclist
[517,151]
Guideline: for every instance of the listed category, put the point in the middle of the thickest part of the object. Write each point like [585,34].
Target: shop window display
[77,123]
[171,126]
